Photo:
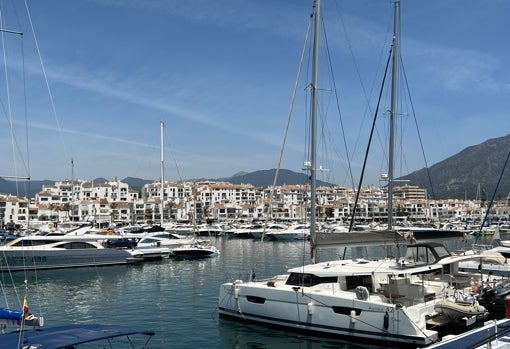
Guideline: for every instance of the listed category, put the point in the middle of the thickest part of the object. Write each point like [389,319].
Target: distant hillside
[22,188]
[471,174]
[136,183]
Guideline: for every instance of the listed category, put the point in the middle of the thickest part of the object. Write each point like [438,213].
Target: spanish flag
[25,307]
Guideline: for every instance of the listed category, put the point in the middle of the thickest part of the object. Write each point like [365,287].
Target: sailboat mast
[313,127]
[161,193]
[393,111]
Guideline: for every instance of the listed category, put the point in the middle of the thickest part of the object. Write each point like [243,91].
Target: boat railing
[481,247]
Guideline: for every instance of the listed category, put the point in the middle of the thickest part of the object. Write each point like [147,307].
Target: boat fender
[353,316]
[386,321]
[507,307]
[310,308]
[362,293]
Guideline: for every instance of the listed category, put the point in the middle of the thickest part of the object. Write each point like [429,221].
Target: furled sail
[18,318]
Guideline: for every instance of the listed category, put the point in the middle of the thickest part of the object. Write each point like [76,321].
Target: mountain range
[473,173]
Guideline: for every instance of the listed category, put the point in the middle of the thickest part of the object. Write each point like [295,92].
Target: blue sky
[220,74]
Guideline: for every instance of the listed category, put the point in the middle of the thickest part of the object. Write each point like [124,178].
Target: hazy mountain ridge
[472,173]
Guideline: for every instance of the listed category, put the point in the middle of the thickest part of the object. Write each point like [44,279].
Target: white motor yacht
[63,251]
[159,245]
[294,232]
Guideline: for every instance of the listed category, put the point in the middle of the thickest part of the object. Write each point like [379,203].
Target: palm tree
[52,208]
[67,208]
[148,214]
[114,212]
[170,206]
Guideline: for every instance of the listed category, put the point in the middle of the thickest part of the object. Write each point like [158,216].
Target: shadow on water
[234,334]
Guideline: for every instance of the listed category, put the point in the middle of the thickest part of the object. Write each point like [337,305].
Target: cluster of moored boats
[52,246]
[87,246]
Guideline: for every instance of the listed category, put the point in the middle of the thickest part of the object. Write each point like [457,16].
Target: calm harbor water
[177,299]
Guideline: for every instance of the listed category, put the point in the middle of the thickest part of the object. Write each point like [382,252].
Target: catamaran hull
[337,313]
[18,260]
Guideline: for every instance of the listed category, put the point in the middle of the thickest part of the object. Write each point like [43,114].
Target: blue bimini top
[68,336]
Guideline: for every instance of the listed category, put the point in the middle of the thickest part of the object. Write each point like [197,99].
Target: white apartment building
[75,190]
[80,200]
[13,210]
[83,200]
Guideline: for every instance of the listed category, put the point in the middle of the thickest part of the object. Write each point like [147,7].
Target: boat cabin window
[76,245]
[420,255]
[30,242]
[164,236]
[351,282]
[150,240]
[307,280]
[441,251]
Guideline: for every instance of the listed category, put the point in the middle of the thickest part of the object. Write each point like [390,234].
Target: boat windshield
[76,245]
[30,242]
[307,280]
[420,255]
[426,253]
[441,251]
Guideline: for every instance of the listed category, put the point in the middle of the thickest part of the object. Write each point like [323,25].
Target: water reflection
[243,335]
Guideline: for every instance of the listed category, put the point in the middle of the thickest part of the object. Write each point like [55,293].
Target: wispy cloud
[459,69]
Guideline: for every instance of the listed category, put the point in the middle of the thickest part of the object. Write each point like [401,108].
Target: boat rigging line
[487,212]
[372,129]
[282,148]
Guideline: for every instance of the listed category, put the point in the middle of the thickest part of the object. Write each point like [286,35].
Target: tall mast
[313,128]
[161,193]
[393,111]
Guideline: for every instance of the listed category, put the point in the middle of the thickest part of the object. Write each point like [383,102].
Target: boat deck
[494,334]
